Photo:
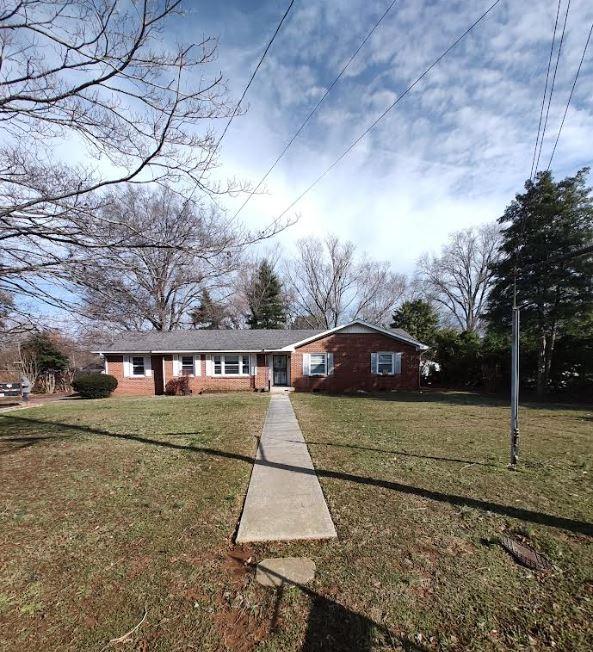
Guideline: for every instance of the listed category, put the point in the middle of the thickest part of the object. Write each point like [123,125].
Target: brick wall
[352,369]
[352,364]
[261,372]
[202,383]
[128,386]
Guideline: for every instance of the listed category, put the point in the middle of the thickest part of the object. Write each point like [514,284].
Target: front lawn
[122,512]
[419,490]
[117,506]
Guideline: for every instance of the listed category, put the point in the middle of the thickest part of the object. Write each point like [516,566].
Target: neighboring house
[357,356]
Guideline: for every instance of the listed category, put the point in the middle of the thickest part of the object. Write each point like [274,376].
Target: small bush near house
[178,387]
[94,385]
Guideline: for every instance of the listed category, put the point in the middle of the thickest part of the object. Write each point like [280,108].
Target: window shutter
[306,364]
[147,365]
[176,369]
[253,364]
[330,364]
[197,364]
[397,367]
[127,370]
[374,363]
[209,369]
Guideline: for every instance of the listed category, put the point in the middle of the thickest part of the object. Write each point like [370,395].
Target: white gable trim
[364,328]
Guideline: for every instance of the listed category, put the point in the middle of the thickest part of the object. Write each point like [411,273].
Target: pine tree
[418,318]
[266,303]
[43,347]
[549,220]
[209,315]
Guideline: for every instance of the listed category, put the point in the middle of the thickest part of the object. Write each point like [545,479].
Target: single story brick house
[356,356]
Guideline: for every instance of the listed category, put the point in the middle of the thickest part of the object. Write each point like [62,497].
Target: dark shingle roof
[217,340]
[206,340]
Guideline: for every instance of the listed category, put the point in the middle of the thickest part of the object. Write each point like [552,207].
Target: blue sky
[451,155]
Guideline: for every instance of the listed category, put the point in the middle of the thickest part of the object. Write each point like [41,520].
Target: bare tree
[378,290]
[94,80]
[28,364]
[329,285]
[459,279]
[148,287]
[321,277]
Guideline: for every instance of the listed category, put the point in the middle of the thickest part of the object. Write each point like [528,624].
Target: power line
[253,74]
[319,103]
[388,109]
[541,111]
[574,83]
[541,142]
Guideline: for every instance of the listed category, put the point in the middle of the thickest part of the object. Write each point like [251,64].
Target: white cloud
[451,154]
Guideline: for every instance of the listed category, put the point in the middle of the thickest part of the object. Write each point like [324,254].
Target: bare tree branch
[329,285]
[459,279]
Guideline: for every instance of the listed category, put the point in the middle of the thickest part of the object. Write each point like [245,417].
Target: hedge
[94,385]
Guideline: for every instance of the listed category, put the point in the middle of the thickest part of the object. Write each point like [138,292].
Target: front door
[156,362]
[280,370]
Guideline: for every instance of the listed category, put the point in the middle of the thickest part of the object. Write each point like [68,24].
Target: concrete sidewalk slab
[283,570]
[284,501]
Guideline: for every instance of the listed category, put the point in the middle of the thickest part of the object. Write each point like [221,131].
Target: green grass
[419,490]
[111,508]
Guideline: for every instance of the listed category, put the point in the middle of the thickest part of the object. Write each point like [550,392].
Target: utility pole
[515,379]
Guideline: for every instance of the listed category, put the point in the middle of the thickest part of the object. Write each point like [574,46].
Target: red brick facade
[352,369]
[352,364]
[149,385]
[128,386]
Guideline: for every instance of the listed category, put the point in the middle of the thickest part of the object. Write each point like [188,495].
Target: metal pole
[515,388]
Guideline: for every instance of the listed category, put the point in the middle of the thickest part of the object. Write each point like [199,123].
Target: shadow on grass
[540,518]
[455,397]
[332,626]
[10,445]
[402,453]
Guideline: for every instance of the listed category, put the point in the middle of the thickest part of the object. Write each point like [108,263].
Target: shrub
[94,385]
[178,387]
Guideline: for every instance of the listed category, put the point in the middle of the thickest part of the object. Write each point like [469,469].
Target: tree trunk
[551,341]
[541,366]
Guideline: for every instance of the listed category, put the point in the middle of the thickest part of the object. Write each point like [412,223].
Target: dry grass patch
[111,508]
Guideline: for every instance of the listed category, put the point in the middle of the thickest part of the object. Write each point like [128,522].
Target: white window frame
[129,365]
[245,360]
[324,356]
[178,366]
[328,364]
[391,363]
[396,363]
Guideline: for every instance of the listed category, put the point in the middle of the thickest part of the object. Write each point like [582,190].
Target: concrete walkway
[284,500]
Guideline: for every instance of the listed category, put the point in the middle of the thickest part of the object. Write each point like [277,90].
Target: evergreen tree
[209,315]
[418,318]
[46,352]
[266,303]
[549,220]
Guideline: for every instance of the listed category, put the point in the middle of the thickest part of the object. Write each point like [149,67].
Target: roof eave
[417,345]
[207,351]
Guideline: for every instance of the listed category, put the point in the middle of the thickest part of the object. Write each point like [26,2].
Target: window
[231,365]
[317,364]
[385,364]
[138,368]
[187,365]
